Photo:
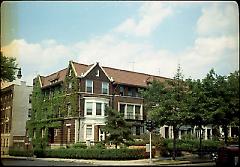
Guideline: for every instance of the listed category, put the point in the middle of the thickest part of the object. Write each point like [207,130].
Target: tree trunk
[174,142]
[200,149]
[116,146]
[225,131]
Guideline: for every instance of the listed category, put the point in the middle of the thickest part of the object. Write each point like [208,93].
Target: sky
[151,37]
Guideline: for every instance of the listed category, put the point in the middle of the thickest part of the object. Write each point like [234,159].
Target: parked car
[228,156]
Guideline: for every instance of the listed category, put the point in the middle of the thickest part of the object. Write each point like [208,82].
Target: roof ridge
[136,72]
[81,63]
[55,72]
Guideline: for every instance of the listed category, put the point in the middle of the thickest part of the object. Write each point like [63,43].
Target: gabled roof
[118,75]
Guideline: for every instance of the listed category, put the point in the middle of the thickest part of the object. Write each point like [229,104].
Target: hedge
[93,153]
[22,153]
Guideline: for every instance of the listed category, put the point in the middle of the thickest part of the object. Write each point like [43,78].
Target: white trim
[90,69]
[86,85]
[39,77]
[134,104]
[85,132]
[74,70]
[94,101]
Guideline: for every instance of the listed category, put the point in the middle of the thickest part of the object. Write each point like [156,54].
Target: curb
[146,162]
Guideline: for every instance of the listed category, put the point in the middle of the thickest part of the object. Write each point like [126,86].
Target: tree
[117,127]
[8,68]
[166,103]
[197,107]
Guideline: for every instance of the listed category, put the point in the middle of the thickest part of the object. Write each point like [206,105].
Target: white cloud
[151,14]
[218,51]
[218,19]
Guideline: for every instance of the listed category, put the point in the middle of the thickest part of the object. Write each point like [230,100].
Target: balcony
[133,116]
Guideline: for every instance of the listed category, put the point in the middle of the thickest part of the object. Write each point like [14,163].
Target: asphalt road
[36,162]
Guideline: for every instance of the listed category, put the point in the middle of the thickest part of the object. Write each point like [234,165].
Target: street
[68,162]
[37,162]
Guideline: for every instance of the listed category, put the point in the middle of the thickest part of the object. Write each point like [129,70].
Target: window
[105,86]
[70,72]
[137,112]
[34,133]
[89,131]
[43,132]
[29,113]
[70,85]
[89,86]
[89,108]
[98,108]
[138,130]
[130,92]
[122,108]
[105,106]
[68,109]
[30,98]
[121,91]
[97,73]
[130,111]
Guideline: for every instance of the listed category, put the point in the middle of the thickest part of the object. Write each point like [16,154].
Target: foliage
[20,152]
[79,145]
[109,154]
[117,127]
[50,107]
[166,102]
[7,68]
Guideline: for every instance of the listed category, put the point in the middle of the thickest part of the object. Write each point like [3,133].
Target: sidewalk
[143,162]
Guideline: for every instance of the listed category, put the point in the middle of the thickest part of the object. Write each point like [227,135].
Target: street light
[19,75]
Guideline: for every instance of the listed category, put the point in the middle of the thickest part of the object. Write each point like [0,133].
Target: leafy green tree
[197,107]
[8,68]
[117,127]
[166,103]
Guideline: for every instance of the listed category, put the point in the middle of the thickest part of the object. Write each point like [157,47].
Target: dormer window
[121,91]
[97,73]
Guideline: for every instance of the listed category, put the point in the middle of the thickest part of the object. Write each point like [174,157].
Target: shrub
[39,152]
[93,153]
[23,153]
[79,145]
[99,146]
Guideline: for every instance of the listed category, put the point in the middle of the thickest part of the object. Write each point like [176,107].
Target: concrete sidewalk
[139,162]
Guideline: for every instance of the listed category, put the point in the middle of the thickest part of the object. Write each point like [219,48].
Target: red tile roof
[118,75]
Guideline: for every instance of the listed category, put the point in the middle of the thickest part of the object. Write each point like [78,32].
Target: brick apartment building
[15,110]
[68,105]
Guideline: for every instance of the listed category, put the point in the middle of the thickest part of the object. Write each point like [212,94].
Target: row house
[15,111]
[69,105]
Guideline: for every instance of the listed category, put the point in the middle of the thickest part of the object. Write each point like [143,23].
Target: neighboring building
[15,109]
[68,106]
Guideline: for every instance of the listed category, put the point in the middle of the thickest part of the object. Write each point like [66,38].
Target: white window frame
[86,136]
[86,108]
[107,88]
[134,104]
[94,101]
[87,85]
